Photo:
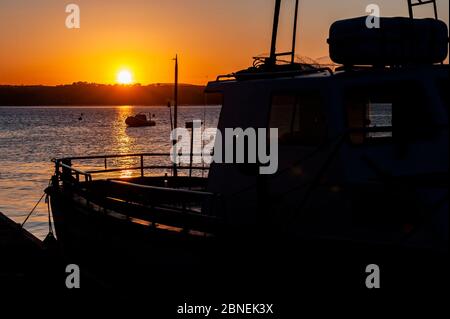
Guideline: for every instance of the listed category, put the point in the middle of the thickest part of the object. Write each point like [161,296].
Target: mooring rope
[32,211]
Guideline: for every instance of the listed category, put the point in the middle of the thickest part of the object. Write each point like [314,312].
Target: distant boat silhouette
[139,120]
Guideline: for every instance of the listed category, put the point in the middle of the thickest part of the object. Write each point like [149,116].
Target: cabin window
[395,111]
[299,118]
[373,114]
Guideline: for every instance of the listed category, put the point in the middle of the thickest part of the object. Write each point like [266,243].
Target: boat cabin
[346,140]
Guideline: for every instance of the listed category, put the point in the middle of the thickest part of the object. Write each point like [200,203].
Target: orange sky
[211,37]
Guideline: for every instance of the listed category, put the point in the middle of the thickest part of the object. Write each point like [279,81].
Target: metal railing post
[57,167]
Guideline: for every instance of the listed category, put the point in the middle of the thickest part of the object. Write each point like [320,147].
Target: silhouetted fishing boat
[139,120]
[349,180]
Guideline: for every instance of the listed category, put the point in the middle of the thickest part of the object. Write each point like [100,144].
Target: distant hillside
[86,94]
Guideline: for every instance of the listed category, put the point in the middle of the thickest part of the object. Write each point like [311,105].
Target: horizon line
[105,84]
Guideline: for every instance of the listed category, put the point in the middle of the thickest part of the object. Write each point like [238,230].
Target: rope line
[32,211]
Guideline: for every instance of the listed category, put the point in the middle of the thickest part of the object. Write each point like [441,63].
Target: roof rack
[280,71]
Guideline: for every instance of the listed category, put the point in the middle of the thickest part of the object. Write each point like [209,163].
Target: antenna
[415,3]
[272,60]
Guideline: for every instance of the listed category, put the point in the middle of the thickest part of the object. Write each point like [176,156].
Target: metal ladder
[273,50]
[414,3]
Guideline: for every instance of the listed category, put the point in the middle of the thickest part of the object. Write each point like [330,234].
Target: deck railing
[182,195]
[65,168]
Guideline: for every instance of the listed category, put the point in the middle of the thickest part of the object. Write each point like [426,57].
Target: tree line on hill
[87,94]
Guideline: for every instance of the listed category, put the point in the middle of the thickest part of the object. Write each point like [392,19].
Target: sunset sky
[211,36]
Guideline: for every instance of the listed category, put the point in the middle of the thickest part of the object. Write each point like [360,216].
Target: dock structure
[24,259]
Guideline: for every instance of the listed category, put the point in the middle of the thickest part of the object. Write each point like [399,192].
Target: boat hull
[122,254]
[113,247]
[137,122]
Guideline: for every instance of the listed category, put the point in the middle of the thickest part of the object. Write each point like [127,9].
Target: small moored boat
[139,120]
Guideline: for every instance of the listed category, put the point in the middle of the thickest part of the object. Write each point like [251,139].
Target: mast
[175,112]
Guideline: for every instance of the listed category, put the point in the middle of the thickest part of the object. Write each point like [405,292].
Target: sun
[124,77]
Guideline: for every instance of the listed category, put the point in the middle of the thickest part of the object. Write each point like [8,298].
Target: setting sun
[124,77]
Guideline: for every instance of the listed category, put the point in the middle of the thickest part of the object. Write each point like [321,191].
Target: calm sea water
[31,136]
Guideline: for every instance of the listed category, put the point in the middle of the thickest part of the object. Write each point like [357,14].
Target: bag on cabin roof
[398,41]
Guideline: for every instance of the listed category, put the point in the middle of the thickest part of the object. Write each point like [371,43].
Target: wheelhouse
[345,139]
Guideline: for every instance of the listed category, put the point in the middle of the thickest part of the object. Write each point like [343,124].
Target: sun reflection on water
[125,143]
